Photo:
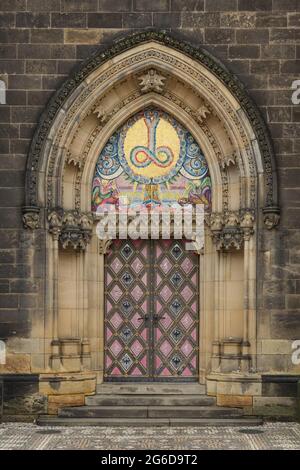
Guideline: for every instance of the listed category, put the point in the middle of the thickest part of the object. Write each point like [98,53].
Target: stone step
[185,412]
[149,400]
[50,420]
[150,388]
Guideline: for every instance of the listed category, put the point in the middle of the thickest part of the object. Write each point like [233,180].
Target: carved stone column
[55,224]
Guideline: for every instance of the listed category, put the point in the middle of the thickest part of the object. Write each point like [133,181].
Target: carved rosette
[72,228]
[231,229]
[151,81]
[31,217]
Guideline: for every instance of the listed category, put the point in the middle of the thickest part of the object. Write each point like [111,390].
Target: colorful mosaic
[151,310]
[152,160]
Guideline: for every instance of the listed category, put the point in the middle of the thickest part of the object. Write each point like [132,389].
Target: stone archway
[151,69]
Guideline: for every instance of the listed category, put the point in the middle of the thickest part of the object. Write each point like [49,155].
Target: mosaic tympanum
[152,160]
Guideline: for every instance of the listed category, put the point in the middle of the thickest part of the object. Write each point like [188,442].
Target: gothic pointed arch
[187,80]
[139,81]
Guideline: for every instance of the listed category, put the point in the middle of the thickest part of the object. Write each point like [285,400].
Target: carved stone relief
[72,228]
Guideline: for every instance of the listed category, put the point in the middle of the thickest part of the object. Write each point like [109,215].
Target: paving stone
[270,436]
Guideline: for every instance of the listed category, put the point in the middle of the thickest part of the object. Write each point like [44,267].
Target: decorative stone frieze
[31,217]
[72,228]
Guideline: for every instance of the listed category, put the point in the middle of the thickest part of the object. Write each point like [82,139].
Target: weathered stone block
[219,36]
[200,20]
[34,98]
[67,384]
[40,66]
[49,5]
[285,5]
[265,20]
[83,36]
[275,406]
[32,20]
[47,36]
[245,36]
[283,51]
[166,20]
[131,20]
[255,5]
[13,5]
[187,5]
[12,66]
[16,363]
[58,401]
[83,5]
[236,401]
[68,20]
[7,20]
[290,66]
[221,5]
[294,19]
[20,82]
[284,35]
[244,52]
[238,20]
[102,20]
[154,5]
[66,66]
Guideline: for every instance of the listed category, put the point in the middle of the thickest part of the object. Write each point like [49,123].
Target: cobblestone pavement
[17,436]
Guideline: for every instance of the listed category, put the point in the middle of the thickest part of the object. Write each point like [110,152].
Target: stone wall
[42,42]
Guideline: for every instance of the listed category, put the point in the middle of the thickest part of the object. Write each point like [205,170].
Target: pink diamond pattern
[136,348]
[137,265]
[116,293]
[166,321]
[186,348]
[165,293]
[166,348]
[186,321]
[116,265]
[116,320]
[135,320]
[187,265]
[187,293]
[137,293]
[166,265]
[116,347]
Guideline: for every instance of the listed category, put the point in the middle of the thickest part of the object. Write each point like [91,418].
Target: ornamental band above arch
[271,207]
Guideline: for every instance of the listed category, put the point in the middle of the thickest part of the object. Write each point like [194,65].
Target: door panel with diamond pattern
[176,310]
[127,297]
[151,311]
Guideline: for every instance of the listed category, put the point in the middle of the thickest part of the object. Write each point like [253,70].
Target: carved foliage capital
[71,227]
[230,229]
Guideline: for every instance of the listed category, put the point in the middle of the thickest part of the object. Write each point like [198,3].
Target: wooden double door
[151,311]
